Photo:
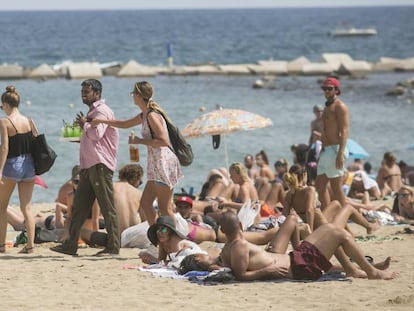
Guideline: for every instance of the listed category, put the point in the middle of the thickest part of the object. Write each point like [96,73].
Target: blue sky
[179,4]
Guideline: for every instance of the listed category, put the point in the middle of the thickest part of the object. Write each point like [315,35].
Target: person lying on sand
[307,262]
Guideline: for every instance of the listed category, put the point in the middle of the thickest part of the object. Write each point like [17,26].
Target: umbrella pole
[226,157]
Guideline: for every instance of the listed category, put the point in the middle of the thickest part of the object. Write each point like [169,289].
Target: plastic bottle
[133,149]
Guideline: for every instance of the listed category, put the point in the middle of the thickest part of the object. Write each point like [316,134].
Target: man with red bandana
[334,137]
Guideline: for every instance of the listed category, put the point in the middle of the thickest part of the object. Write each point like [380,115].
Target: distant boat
[354,32]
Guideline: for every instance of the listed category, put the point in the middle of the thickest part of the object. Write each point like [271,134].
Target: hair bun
[11,88]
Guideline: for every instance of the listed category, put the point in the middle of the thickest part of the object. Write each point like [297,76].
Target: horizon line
[206,8]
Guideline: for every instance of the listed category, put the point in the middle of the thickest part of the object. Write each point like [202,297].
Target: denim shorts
[20,168]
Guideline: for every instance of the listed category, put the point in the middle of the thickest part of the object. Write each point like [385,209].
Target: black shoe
[63,250]
[106,253]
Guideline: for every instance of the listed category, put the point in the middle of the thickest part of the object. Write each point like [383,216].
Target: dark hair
[367,167]
[189,264]
[96,85]
[131,173]
[11,97]
[263,154]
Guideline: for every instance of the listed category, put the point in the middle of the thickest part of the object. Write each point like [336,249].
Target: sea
[377,122]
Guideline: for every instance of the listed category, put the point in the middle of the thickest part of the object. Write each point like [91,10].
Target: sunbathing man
[309,261]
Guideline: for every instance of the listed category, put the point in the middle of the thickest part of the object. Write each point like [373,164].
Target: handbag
[43,155]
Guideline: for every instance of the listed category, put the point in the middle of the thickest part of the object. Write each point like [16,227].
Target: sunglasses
[75,181]
[403,195]
[327,88]
[162,230]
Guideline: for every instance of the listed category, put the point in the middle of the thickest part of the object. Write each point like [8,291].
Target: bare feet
[356,273]
[383,275]
[383,264]
[373,227]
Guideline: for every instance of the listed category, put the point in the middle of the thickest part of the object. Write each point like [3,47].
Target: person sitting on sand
[389,175]
[65,189]
[303,200]
[309,261]
[249,163]
[407,172]
[403,208]
[217,189]
[201,229]
[265,170]
[281,168]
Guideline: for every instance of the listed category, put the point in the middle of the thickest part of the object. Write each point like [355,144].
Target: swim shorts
[307,262]
[20,168]
[327,162]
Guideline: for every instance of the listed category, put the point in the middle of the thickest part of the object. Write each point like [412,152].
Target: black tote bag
[43,155]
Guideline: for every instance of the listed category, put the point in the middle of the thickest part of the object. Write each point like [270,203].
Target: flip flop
[26,250]
[370,259]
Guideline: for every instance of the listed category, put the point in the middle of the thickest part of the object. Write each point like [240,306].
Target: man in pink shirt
[98,152]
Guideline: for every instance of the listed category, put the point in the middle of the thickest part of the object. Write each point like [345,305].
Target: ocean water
[378,123]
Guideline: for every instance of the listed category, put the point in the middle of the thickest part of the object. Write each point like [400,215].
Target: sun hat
[331,81]
[184,199]
[162,221]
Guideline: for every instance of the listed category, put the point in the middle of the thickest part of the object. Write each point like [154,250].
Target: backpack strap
[35,132]
[13,125]
[167,124]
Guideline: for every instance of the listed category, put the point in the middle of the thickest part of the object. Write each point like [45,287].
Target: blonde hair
[294,177]
[146,91]
[389,158]
[407,188]
[11,97]
[239,169]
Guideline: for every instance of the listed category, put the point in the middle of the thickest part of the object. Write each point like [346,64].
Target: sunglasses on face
[162,230]
[75,181]
[403,195]
[327,88]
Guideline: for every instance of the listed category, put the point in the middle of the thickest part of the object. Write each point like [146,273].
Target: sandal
[26,250]
[2,248]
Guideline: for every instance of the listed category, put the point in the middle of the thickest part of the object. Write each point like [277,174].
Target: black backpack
[180,147]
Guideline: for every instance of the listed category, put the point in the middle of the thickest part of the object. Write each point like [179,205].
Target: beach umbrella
[356,151]
[222,122]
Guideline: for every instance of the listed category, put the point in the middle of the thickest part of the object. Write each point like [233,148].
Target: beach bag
[43,155]
[180,147]
[248,213]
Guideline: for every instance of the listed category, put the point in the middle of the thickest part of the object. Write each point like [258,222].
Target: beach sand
[49,281]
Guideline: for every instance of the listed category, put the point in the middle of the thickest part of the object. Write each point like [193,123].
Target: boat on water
[354,32]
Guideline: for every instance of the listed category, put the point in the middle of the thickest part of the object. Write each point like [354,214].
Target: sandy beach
[49,281]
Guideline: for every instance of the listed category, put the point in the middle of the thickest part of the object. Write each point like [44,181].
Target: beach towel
[221,276]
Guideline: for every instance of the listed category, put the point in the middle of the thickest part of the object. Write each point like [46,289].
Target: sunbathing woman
[389,175]
[403,209]
[201,230]
[303,200]
[173,245]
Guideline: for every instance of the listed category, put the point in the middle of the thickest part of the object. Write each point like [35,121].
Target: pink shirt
[99,144]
